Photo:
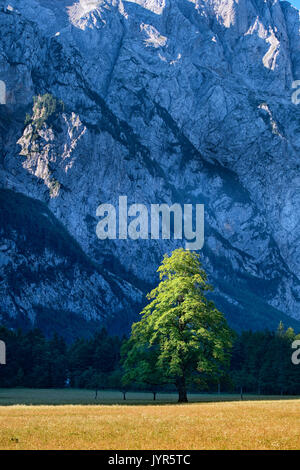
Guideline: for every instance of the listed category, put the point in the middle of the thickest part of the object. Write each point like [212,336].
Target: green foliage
[28,119]
[37,362]
[188,338]
[141,368]
[261,362]
[33,361]
[46,109]
[94,363]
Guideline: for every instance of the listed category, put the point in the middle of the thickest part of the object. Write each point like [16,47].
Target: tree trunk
[181,387]
[124,395]
[154,396]
[219,388]
[242,396]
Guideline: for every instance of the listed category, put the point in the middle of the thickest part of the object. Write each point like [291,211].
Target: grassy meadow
[73,419]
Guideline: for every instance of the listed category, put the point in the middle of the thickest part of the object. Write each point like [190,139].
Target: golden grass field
[259,424]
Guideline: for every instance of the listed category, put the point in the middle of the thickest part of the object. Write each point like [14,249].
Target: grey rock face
[47,279]
[164,101]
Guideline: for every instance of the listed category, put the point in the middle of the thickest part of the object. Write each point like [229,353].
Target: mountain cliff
[164,101]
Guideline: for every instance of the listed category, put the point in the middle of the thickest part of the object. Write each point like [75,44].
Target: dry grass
[227,425]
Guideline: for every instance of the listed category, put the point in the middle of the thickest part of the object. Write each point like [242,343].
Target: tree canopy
[181,338]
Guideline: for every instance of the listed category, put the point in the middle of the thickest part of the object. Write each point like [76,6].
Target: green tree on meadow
[141,367]
[181,338]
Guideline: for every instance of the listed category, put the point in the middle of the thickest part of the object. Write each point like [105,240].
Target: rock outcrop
[164,101]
